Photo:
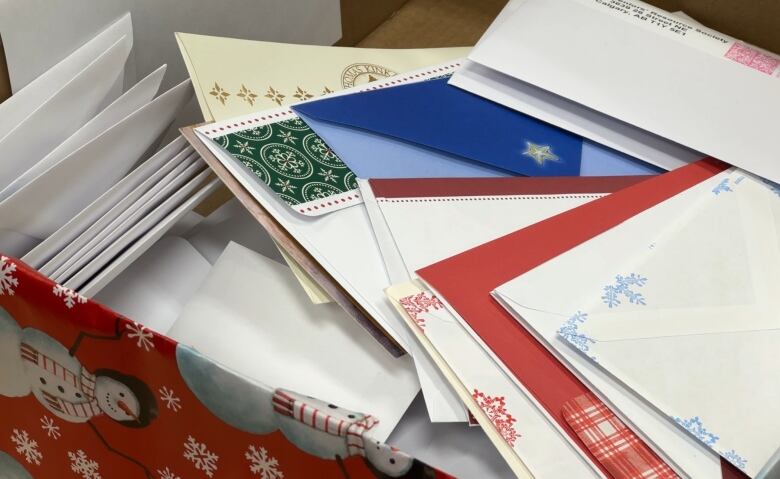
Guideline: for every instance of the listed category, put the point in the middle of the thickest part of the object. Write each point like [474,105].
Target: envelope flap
[630,79]
[435,115]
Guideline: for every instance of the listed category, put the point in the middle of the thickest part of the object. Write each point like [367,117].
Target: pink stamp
[752,57]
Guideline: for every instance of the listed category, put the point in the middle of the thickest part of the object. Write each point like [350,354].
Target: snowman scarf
[314,417]
[84,382]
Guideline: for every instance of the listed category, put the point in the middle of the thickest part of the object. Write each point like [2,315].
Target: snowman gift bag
[86,393]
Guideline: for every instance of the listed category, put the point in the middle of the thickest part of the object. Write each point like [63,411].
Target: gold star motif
[247,95]
[539,153]
[275,95]
[302,94]
[220,93]
[326,90]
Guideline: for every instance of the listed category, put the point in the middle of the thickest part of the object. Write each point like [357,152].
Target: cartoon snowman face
[116,399]
[388,459]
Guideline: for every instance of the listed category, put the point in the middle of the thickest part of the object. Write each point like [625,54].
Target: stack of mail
[543,227]
[72,201]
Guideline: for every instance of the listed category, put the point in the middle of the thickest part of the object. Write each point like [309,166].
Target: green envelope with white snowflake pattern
[295,163]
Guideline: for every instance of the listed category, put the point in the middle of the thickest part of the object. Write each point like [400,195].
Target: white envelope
[78,101]
[128,187]
[139,95]
[142,244]
[93,241]
[676,308]
[252,316]
[51,199]
[355,264]
[28,99]
[721,99]
[154,288]
[114,248]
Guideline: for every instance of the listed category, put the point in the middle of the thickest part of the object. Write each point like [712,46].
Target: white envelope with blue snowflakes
[677,305]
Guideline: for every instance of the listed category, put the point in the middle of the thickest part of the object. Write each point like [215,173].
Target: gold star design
[539,153]
[326,90]
[275,95]
[220,93]
[247,95]
[302,94]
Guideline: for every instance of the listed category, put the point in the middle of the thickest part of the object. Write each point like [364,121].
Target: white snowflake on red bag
[26,447]
[7,280]
[142,335]
[82,465]
[167,474]
[199,455]
[69,297]
[495,408]
[170,399]
[48,425]
[266,466]
[420,303]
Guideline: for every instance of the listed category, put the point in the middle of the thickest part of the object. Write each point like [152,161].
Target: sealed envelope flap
[648,68]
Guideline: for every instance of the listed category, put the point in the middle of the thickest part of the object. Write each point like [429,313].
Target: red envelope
[467,279]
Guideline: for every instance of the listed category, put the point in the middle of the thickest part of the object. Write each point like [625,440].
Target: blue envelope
[430,129]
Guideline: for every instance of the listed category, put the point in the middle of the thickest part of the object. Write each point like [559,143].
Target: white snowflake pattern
[142,335]
[7,280]
[287,137]
[171,401]
[328,175]
[167,474]
[69,297]
[82,465]
[199,454]
[48,425]
[244,147]
[26,447]
[263,464]
[285,185]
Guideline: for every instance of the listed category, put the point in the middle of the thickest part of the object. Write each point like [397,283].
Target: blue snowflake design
[773,186]
[734,458]
[695,427]
[722,187]
[569,331]
[623,287]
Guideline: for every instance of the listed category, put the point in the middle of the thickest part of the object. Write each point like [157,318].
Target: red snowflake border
[495,408]
[420,303]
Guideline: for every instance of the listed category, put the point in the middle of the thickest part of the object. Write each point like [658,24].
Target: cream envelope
[251,316]
[28,99]
[130,187]
[613,104]
[73,105]
[51,199]
[676,306]
[131,246]
[139,95]
[356,263]
[282,73]
[522,434]
[94,244]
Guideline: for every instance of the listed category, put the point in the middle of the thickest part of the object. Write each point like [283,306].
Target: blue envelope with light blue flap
[431,129]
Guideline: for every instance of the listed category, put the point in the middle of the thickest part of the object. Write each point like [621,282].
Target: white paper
[84,175]
[136,231]
[77,102]
[142,244]
[127,187]
[711,103]
[141,94]
[154,288]
[269,331]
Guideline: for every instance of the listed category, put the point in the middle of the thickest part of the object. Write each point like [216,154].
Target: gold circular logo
[361,73]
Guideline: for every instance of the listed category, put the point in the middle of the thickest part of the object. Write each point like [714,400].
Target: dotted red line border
[325,204]
[261,119]
[484,198]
